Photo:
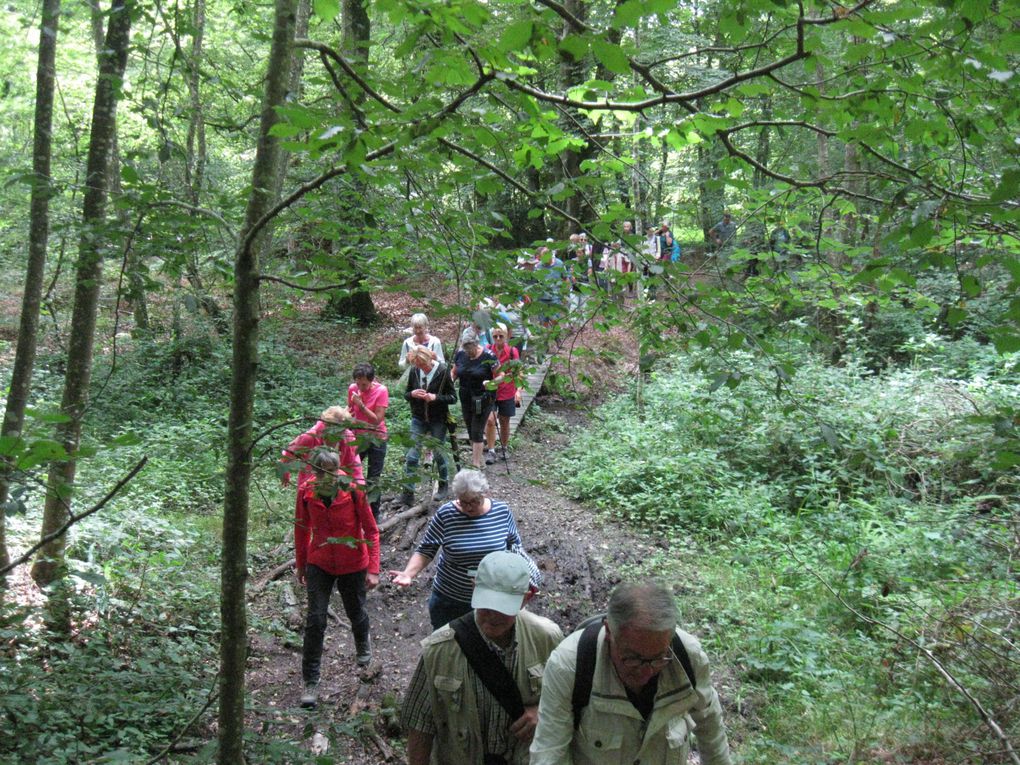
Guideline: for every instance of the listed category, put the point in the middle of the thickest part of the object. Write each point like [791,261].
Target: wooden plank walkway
[535,380]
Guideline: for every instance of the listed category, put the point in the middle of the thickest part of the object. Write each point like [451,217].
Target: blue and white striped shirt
[465,541]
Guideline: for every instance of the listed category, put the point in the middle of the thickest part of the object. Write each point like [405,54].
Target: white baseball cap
[501,582]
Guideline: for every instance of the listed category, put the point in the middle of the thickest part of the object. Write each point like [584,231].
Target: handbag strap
[490,670]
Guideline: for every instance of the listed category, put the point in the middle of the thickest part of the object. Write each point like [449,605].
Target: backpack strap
[584,672]
[490,670]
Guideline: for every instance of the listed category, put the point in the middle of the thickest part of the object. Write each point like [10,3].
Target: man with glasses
[645,698]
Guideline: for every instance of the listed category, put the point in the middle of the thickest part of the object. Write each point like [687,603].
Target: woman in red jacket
[336,543]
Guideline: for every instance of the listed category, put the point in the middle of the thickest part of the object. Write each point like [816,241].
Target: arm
[296,449]
[373,415]
[707,713]
[445,393]
[437,348]
[414,566]
[555,731]
[419,747]
[302,536]
[402,361]
[370,533]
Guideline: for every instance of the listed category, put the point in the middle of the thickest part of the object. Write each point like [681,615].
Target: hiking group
[494,683]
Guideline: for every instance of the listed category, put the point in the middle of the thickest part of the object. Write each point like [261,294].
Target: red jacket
[298,449]
[348,522]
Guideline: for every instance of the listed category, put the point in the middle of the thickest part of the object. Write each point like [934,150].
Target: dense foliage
[824,539]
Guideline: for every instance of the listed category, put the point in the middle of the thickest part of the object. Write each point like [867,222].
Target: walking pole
[499,435]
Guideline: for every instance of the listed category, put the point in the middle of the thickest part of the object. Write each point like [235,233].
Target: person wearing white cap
[450,713]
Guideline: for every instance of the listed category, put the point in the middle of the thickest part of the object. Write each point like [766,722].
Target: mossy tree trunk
[244,371]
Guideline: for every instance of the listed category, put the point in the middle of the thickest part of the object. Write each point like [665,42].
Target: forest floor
[582,555]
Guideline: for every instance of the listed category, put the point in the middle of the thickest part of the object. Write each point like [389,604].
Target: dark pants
[443,610]
[475,421]
[320,586]
[435,430]
[373,457]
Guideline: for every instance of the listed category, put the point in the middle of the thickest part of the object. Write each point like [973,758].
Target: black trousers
[320,586]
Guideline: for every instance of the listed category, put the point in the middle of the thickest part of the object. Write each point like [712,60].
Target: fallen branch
[389,523]
[274,574]
[73,519]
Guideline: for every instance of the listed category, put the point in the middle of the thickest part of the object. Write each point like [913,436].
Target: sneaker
[490,457]
[443,493]
[407,497]
[310,696]
[363,651]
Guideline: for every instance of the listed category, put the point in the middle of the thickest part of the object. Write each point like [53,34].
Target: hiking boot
[407,497]
[490,457]
[363,651]
[310,696]
[443,493]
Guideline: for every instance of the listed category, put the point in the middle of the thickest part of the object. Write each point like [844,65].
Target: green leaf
[611,56]
[574,46]
[327,10]
[517,36]
[830,435]
[1007,188]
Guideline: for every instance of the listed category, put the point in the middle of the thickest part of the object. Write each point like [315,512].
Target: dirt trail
[579,555]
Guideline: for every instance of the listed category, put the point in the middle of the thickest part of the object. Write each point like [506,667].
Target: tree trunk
[356,302]
[38,239]
[92,244]
[244,370]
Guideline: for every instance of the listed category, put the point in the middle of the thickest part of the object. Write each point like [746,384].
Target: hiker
[647,681]
[330,430]
[367,400]
[336,544]
[430,393]
[462,532]
[723,232]
[475,369]
[474,695]
[508,396]
[420,337]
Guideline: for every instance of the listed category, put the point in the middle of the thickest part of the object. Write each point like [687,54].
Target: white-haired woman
[420,337]
[462,532]
[477,371]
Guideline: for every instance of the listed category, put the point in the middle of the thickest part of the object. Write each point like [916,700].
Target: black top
[473,373]
[440,384]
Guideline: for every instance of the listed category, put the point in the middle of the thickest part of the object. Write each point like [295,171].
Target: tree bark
[356,303]
[244,370]
[38,240]
[92,245]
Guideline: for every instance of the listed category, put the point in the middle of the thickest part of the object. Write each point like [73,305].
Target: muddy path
[581,557]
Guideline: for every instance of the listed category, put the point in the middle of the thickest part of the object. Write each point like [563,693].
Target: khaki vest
[459,739]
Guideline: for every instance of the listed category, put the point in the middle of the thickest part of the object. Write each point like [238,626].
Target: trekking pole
[499,435]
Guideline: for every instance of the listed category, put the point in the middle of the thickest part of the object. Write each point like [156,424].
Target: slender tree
[88,278]
[38,239]
[244,370]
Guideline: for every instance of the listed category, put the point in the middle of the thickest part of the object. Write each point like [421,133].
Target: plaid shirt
[417,710]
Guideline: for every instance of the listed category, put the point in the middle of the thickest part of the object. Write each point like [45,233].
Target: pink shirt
[377,396]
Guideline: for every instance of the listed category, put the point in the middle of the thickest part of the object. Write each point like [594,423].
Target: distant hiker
[420,337]
[462,532]
[331,430]
[508,397]
[430,393]
[645,693]
[722,233]
[367,400]
[336,544]
[474,695]
[779,239]
[475,369]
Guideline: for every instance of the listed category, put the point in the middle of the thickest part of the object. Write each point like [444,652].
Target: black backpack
[585,668]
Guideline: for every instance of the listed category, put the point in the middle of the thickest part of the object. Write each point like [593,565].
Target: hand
[371,581]
[356,400]
[285,479]
[524,726]
[401,579]
[300,572]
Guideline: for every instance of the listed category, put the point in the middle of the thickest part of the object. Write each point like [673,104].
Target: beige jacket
[458,739]
[612,731]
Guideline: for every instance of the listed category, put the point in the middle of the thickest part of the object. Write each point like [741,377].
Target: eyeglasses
[638,662]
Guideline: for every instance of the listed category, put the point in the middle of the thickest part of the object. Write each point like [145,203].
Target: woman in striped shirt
[463,532]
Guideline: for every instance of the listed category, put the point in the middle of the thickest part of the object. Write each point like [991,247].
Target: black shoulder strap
[584,671]
[490,670]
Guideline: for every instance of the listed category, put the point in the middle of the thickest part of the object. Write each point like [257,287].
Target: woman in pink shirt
[367,400]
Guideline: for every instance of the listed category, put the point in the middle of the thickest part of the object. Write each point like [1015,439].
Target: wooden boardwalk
[535,380]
